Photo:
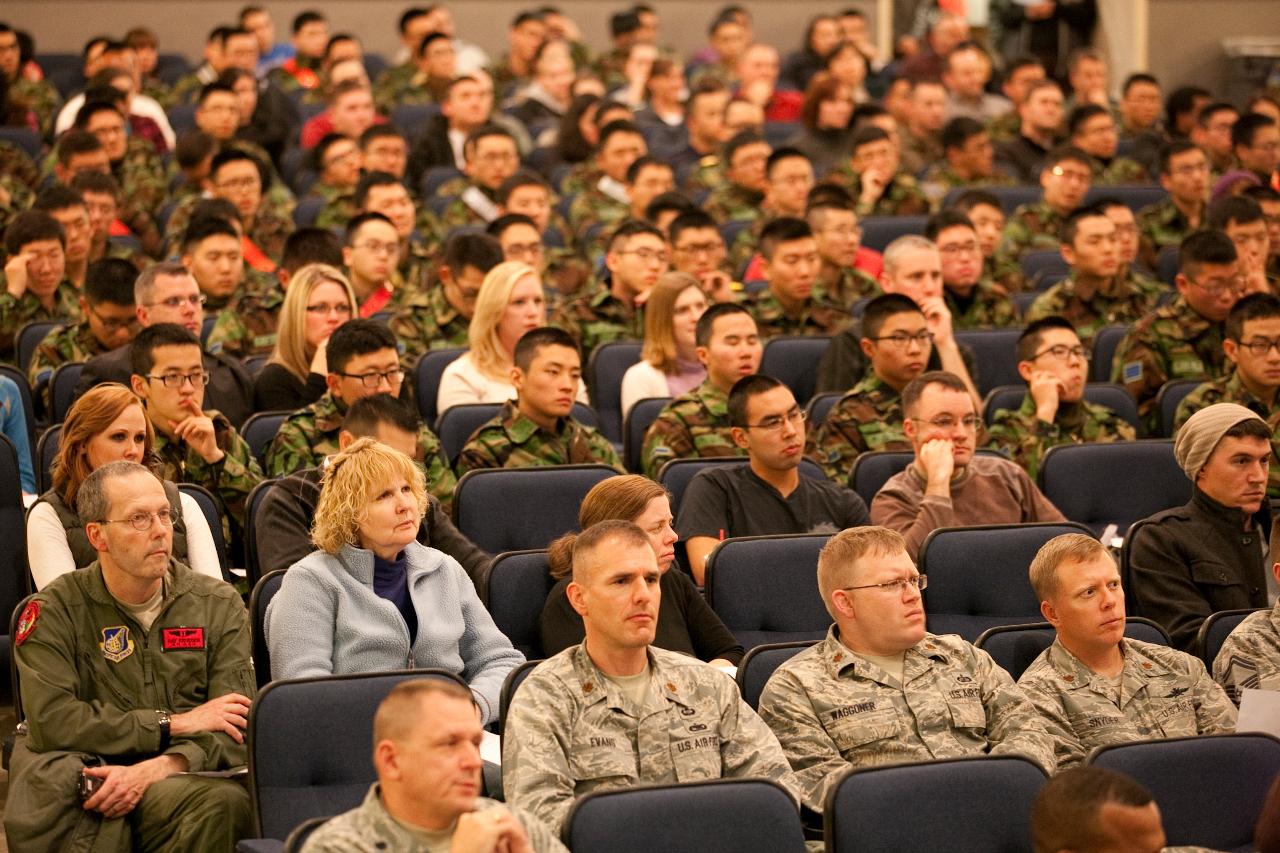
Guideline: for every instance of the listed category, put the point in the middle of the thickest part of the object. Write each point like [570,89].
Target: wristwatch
[165,721]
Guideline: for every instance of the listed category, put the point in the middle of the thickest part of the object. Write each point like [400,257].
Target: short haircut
[1205,247]
[74,142]
[836,559]
[484,131]
[144,288]
[499,226]
[884,306]
[741,140]
[1247,126]
[624,23]
[1032,336]
[401,711]
[1136,78]
[92,501]
[321,149]
[521,178]
[535,340]
[907,243]
[741,393]
[1065,813]
[630,228]
[673,201]
[91,108]
[351,476]
[526,17]
[428,39]
[940,222]
[309,16]
[916,387]
[355,223]
[615,127]
[232,155]
[311,245]
[216,208]
[31,226]
[57,197]
[410,15]
[784,229]
[214,88]
[1172,149]
[366,414]
[203,228]
[193,147]
[616,531]
[1066,154]
[98,184]
[368,181]
[1071,225]
[784,153]
[1233,210]
[969,199]
[644,162]
[380,131]
[142,351]
[828,197]
[691,220]
[1255,306]
[357,337]
[463,249]
[1082,114]
[706,323]
[1210,110]
[959,131]
[866,135]
[110,281]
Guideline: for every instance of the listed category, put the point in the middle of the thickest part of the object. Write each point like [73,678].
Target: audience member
[1094,810]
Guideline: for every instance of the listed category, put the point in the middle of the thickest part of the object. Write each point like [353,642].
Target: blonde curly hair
[350,481]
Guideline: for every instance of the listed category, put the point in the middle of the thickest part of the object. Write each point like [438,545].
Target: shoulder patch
[27,622]
[1131,372]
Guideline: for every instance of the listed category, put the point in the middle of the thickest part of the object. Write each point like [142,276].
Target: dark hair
[463,249]
[202,228]
[1065,812]
[624,23]
[673,200]
[1210,110]
[1255,306]
[1172,149]
[148,340]
[740,140]
[355,223]
[322,147]
[864,113]
[57,197]
[969,199]
[499,226]
[193,146]
[311,246]
[216,208]
[76,141]
[521,178]
[1261,193]
[212,89]
[97,183]
[428,39]
[643,162]
[484,131]
[91,108]
[886,305]
[1233,210]
[368,181]
[1033,335]
[1205,247]
[1065,154]
[706,323]
[916,387]
[828,197]
[784,153]
[960,130]
[695,219]
[1247,127]
[534,340]
[940,222]
[1181,101]
[110,280]
[30,226]
[1136,78]
[631,227]
[615,127]
[1249,427]
[380,131]
[231,155]
[784,229]
[410,15]
[1071,225]
[357,337]
[525,17]
[741,393]
[866,135]
[366,414]
[1082,114]
[310,16]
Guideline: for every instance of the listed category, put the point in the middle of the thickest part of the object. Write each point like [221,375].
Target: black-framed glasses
[1062,352]
[773,423]
[111,324]
[142,521]
[1261,346]
[902,339]
[373,380]
[895,586]
[199,379]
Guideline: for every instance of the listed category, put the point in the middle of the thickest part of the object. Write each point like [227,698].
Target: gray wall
[1185,37]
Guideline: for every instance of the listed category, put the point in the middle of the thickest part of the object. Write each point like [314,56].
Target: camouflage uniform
[851,285]
[1026,438]
[269,232]
[1032,226]
[595,316]
[16,164]
[466,209]
[1162,693]
[692,426]
[733,203]
[425,320]
[832,709]
[390,84]
[1172,342]
[869,417]
[939,179]
[417,263]
[38,96]
[187,87]
[592,217]
[1162,224]
[565,276]
[1004,272]
[816,318]
[901,197]
[917,152]
[339,206]
[16,313]
[1005,128]
[580,177]
[511,440]
[1250,656]
[371,827]
[417,90]
[609,66]
[247,326]
[704,176]
[295,75]
[988,306]
[572,731]
[229,480]
[1229,389]
[310,434]
[63,345]
[1119,300]
[1119,171]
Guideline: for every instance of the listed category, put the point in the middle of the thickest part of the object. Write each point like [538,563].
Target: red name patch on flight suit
[179,639]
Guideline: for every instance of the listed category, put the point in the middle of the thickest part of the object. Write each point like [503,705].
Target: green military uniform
[815,318]
[706,175]
[418,90]
[1025,438]
[310,434]
[417,263]
[339,206]
[16,313]
[902,196]
[1160,225]
[868,417]
[17,165]
[389,85]
[1229,389]
[118,251]
[566,274]
[511,440]
[939,179]
[269,232]
[594,214]
[1120,299]
[580,177]
[1032,226]
[296,74]
[917,152]
[187,87]
[473,205]
[595,316]
[693,425]
[609,68]
[39,96]
[247,326]
[1004,272]
[1250,656]
[1118,171]
[94,682]
[733,203]
[988,305]
[1162,693]
[1172,342]
[851,284]
[425,320]
[1005,128]
[63,345]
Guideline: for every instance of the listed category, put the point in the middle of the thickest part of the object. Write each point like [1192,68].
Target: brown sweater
[988,491]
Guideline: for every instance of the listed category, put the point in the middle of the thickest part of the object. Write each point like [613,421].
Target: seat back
[1042,259]
[676,475]
[427,373]
[62,390]
[636,424]
[1103,351]
[765,588]
[514,509]
[978,575]
[871,470]
[263,591]
[209,507]
[260,429]
[1115,397]
[1010,197]
[1210,789]
[517,589]
[746,815]
[1170,395]
[1015,647]
[605,369]
[1134,196]
[510,685]
[759,664]
[794,362]
[46,452]
[1117,483]
[995,355]
[252,563]
[26,139]
[412,118]
[819,406]
[1214,631]
[1167,265]
[979,803]
[30,336]
[879,231]
[457,424]
[28,402]
[292,780]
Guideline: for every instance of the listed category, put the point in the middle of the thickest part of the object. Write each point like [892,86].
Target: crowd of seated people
[278,274]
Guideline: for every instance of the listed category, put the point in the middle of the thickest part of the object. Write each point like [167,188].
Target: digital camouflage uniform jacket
[16,313]
[247,326]
[1160,225]
[1250,656]
[816,318]
[1032,226]
[1120,299]
[901,197]
[425,320]
[63,345]
[988,306]
[1026,438]
[229,480]
[869,417]
[692,426]
[595,316]
[511,440]
[851,284]
[733,202]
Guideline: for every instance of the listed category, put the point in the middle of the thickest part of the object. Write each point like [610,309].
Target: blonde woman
[373,598]
[668,365]
[318,300]
[509,304]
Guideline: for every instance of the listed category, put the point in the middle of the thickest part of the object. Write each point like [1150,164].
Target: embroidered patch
[116,645]
[181,639]
[27,622]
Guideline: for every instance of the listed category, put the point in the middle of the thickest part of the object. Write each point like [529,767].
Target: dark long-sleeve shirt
[275,389]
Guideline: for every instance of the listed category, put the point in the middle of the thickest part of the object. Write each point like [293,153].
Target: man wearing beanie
[1188,562]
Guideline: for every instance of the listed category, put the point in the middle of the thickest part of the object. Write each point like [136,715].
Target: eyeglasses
[1261,346]
[897,587]
[1078,177]
[700,248]
[1062,352]
[774,423]
[1217,288]
[902,340]
[1197,168]
[516,251]
[372,380]
[240,184]
[176,302]
[342,309]
[111,324]
[338,158]
[142,521]
[176,380]
[970,248]
[648,255]
[379,248]
[947,422]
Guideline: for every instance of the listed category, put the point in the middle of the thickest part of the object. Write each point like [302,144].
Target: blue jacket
[327,620]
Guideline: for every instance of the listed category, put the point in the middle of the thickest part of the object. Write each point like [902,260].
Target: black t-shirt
[735,500]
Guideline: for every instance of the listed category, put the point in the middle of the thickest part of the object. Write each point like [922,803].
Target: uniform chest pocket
[851,727]
[965,706]
[602,756]
[695,752]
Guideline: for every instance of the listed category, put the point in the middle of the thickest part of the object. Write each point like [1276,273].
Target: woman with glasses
[318,300]
[107,424]
[373,598]
[668,365]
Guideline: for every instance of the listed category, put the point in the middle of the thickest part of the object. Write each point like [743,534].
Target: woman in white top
[509,304]
[106,425]
[668,365]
